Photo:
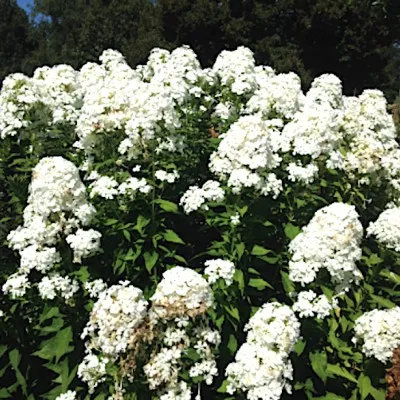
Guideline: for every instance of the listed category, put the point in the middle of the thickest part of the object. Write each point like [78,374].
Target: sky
[25,4]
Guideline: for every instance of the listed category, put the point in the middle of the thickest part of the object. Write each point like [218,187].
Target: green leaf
[287,283]
[57,346]
[334,369]
[222,388]
[232,344]
[141,223]
[382,301]
[260,251]
[291,231]
[233,311]
[319,362]
[240,250]
[150,260]
[239,278]
[364,384]
[259,284]
[166,205]
[171,236]
[15,358]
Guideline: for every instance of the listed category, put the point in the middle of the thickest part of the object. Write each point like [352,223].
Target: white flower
[105,187]
[262,366]
[116,314]
[386,228]
[170,177]
[308,304]
[95,287]
[84,243]
[92,370]
[219,268]
[182,290]
[379,332]
[70,395]
[16,285]
[335,233]
[195,197]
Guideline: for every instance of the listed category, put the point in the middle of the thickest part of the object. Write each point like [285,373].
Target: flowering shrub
[173,232]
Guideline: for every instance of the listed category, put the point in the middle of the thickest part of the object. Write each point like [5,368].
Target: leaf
[224,385]
[166,205]
[171,236]
[382,301]
[287,283]
[239,278]
[259,284]
[15,358]
[334,369]
[127,235]
[390,275]
[232,344]
[141,223]
[319,361]
[291,231]
[150,260]
[233,311]
[57,346]
[240,249]
[364,384]
[260,251]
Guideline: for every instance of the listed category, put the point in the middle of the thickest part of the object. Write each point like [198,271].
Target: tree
[16,40]
[79,30]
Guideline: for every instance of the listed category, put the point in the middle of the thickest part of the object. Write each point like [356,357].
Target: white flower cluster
[57,206]
[216,269]
[84,243]
[162,371]
[55,90]
[169,177]
[92,370]
[55,284]
[108,188]
[116,314]
[379,332]
[386,228]
[182,291]
[308,305]
[70,395]
[150,103]
[246,151]
[195,197]
[331,240]
[120,323]
[95,287]
[262,366]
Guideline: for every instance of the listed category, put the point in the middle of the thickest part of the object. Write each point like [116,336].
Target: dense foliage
[172,231]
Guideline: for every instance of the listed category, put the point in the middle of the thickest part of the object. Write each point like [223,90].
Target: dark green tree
[77,31]
[16,41]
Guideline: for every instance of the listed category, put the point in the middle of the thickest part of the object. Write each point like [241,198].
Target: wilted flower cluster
[121,324]
[379,332]
[57,207]
[331,240]
[262,366]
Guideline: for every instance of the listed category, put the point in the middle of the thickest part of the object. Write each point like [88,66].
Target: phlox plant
[175,232]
